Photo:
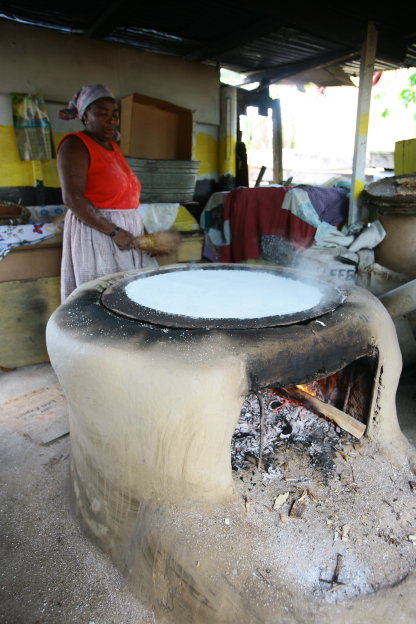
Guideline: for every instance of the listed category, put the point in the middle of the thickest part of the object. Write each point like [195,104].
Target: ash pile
[271,423]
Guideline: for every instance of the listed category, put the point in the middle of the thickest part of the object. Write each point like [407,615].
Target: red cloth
[111,184]
[253,212]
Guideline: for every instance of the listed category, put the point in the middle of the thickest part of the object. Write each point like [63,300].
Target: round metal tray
[392,195]
[115,298]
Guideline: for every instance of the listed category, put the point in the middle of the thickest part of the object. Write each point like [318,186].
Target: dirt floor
[50,573]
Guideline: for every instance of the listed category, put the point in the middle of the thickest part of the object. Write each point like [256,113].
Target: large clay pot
[393,200]
[397,251]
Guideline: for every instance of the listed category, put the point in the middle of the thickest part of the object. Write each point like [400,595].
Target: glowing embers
[308,389]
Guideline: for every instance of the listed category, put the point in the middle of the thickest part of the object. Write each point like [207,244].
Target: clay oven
[155,398]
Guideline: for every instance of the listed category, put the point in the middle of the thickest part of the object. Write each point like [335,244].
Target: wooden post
[277,143]
[363,114]
[228,136]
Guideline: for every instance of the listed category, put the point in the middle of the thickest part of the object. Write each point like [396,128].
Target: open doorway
[259,138]
[318,127]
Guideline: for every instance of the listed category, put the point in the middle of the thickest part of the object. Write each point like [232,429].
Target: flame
[306,389]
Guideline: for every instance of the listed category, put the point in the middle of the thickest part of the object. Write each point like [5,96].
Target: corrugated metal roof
[248,37]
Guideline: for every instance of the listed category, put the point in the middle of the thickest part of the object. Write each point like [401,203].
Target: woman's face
[101,118]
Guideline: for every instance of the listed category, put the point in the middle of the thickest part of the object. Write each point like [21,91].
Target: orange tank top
[111,184]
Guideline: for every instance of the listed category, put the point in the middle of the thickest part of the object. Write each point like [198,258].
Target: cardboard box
[152,128]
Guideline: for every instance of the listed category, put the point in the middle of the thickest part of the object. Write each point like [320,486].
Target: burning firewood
[343,420]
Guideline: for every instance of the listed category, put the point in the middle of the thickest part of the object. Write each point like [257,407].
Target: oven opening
[330,504]
[315,418]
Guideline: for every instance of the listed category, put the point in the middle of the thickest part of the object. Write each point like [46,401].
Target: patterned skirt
[88,254]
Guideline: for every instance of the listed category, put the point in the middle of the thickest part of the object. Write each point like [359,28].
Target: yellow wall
[227,164]
[206,151]
[16,172]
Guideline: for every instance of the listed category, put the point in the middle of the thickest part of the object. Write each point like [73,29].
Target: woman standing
[103,230]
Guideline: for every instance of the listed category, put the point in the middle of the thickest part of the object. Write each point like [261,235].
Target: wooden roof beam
[274,74]
[235,39]
[105,22]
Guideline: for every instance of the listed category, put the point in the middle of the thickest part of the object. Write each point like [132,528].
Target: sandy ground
[49,571]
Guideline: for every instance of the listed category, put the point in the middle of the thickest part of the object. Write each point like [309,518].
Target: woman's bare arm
[73,164]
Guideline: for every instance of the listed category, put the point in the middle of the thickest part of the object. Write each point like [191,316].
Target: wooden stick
[337,569]
[347,394]
[260,176]
[343,420]
[260,400]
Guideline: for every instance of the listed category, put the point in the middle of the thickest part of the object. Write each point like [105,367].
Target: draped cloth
[12,236]
[330,203]
[88,254]
[253,212]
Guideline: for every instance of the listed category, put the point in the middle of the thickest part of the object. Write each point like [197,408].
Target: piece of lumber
[343,420]
[260,176]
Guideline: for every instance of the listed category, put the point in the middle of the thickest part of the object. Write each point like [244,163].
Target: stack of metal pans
[165,180]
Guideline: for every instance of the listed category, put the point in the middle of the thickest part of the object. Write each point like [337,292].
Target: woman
[103,230]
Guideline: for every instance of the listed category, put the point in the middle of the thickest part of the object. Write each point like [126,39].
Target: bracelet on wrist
[114,232]
[151,241]
[147,242]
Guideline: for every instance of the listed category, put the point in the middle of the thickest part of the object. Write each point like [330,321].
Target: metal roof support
[363,115]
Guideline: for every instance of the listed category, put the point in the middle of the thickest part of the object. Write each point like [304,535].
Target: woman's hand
[124,240]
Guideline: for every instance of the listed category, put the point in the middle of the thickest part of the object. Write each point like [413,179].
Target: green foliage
[408,95]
